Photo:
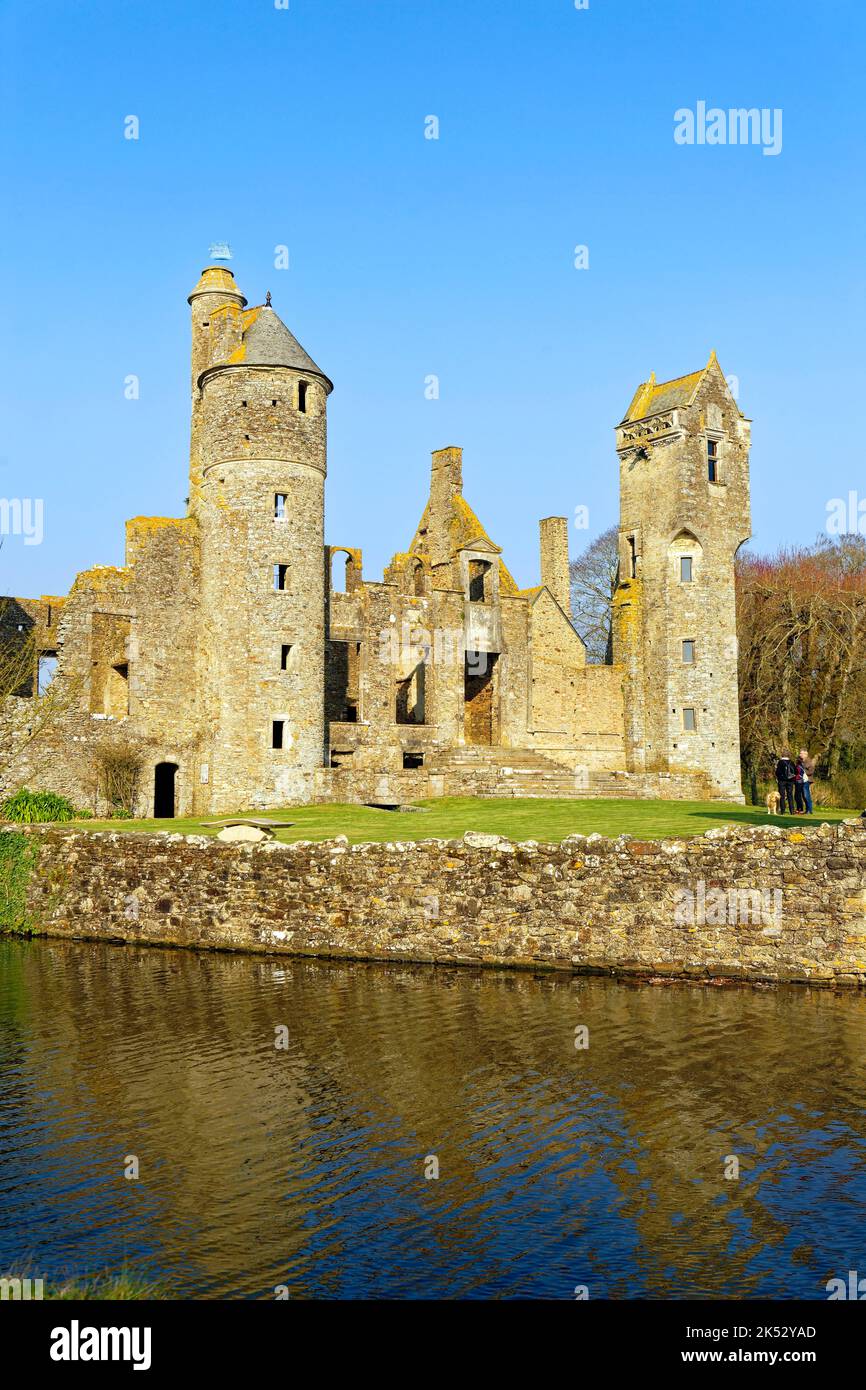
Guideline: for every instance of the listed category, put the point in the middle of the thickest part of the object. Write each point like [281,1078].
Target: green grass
[117,1288]
[519,818]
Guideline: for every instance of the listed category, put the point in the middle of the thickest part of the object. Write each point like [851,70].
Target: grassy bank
[518,818]
[114,1288]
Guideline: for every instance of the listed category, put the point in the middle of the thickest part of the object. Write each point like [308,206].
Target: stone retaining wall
[737,903]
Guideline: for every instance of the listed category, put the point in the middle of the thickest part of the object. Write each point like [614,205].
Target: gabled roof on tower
[267,342]
[464,531]
[653,397]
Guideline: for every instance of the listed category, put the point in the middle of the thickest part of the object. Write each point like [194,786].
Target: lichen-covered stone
[457,901]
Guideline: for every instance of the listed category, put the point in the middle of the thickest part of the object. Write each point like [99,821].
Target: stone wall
[737,903]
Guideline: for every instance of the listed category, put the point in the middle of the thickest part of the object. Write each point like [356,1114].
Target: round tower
[260,508]
[216,307]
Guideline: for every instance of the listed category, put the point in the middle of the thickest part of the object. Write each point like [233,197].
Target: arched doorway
[164,790]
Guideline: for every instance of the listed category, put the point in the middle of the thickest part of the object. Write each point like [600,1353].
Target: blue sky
[412,257]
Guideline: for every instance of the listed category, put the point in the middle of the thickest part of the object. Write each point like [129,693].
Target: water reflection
[305,1167]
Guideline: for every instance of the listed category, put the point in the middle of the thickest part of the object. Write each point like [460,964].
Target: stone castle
[250,665]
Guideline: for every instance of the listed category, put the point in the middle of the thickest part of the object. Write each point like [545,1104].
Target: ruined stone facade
[249,665]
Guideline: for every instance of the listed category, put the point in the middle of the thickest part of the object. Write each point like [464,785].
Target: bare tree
[593,582]
[801,623]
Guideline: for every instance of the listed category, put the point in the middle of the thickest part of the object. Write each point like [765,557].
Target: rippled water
[305,1167]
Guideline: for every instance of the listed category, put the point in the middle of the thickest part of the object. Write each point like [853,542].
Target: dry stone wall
[736,903]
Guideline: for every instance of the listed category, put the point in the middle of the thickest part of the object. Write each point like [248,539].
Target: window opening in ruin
[280,500]
[686,569]
[410,697]
[688,652]
[632,556]
[47,668]
[117,691]
[302,397]
[689,721]
[413,760]
[277,733]
[284,655]
[713,460]
[280,575]
[478,571]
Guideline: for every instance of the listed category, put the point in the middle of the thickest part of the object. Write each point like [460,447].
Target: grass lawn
[525,818]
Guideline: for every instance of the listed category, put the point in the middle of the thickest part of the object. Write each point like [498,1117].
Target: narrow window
[280,573]
[686,569]
[688,652]
[273,402]
[277,728]
[632,556]
[280,500]
[689,723]
[284,656]
[713,460]
[243,403]
[302,397]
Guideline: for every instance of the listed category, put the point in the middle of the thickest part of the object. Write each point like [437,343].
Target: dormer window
[478,572]
[302,396]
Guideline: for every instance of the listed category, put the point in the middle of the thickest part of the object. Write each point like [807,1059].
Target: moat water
[304,1166]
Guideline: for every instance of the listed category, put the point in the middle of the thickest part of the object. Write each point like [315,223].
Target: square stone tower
[683,448]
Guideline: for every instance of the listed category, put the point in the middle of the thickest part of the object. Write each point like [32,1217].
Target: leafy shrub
[18,855]
[29,808]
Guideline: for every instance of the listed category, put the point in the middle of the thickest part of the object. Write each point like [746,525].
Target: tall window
[280,576]
[689,721]
[277,731]
[686,569]
[280,500]
[688,652]
[302,396]
[713,460]
[632,556]
[285,649]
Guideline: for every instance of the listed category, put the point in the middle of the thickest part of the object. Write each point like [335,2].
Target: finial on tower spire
[268,299]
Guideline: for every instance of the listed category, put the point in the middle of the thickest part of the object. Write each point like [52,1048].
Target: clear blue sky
[412,257]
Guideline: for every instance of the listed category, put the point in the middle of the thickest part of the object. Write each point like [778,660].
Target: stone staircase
[479,770]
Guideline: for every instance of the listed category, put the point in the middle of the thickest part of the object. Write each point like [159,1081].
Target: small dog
[773,803]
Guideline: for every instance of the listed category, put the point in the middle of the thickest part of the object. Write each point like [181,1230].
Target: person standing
[805,768]
[786,775]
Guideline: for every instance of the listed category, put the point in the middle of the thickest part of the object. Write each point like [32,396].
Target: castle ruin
[250,665]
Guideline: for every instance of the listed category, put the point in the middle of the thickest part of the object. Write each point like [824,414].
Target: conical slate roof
[268,343]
